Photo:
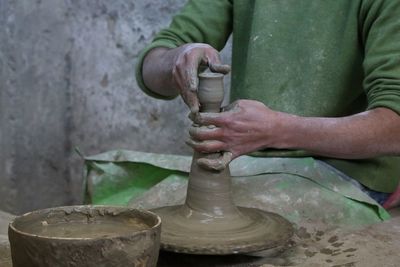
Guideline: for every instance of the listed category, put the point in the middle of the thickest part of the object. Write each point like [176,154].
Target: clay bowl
[85,236]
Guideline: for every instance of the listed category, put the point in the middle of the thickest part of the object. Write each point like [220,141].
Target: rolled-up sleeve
[200,21]
[381,40]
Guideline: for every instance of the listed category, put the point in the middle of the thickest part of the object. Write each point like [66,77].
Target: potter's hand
[244,126]
[169,72]
[186,62]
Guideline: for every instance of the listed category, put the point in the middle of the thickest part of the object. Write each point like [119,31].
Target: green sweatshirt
[320,58]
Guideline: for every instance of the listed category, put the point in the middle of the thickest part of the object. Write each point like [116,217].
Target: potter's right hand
[187,59]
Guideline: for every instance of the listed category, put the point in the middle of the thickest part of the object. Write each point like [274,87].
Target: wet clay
[86,230]
[85,236]
[209,222]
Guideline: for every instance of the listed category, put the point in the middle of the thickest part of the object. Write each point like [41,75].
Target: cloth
[303,190]
[379,197]
[310,58]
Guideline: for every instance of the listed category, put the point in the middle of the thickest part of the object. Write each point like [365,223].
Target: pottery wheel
[186,231]
[209,222]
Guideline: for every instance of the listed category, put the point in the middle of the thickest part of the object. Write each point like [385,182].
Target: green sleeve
[200,21]
[380,24]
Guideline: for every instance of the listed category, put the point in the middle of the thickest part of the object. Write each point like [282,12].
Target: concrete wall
[66,80]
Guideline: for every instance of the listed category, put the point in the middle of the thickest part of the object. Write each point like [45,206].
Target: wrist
[286,131]
[157,71]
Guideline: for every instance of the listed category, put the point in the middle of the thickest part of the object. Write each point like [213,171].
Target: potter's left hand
[244,126]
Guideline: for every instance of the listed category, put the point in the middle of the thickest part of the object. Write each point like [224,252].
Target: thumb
[220,68]
[191,100]
[217,164]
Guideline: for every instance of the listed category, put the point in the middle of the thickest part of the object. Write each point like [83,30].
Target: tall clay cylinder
[210,191]
[211,91]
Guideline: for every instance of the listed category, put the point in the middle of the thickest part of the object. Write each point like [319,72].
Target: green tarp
[301,189]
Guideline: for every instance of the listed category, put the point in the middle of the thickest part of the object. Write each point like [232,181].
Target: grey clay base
[257,230]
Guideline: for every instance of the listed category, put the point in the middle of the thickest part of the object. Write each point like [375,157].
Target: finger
[191,100]
[215,65]
[202,133]
[193,117]
[191,76]
[220,68]
[231,107]
[217,164]
[183,84]
[193,64]
[209,146]
[205,118]
[187,81]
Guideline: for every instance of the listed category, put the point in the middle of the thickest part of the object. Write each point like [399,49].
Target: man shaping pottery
[316,79]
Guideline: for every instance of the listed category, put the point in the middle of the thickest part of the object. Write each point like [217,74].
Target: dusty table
[376,245]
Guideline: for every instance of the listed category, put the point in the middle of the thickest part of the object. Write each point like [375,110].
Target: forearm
[248,125]
[157,74]
[364,135]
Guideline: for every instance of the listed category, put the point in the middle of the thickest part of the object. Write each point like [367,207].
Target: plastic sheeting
[303,190]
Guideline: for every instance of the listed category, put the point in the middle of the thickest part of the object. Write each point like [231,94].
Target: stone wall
[67,80]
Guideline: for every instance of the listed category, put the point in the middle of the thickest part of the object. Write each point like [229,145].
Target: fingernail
[194,116]
[189,143]
[194,109]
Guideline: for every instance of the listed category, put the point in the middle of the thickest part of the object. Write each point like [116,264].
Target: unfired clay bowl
[85,236]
